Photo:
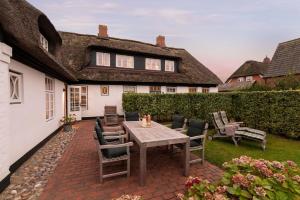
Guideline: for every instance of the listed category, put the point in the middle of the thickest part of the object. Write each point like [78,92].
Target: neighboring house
[285,61]
[107,67]
[251,72]
[45,75]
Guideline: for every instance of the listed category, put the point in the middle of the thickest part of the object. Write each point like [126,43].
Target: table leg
[143,167]
[186,163]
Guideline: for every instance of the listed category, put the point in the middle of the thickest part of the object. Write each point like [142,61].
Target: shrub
[276,112]
[247,178]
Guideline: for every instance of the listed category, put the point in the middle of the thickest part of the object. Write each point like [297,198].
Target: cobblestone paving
[31,178]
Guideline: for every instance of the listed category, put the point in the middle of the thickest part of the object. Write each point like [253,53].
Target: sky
[221,34]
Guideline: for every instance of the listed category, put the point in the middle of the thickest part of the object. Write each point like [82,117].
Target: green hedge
[277,112]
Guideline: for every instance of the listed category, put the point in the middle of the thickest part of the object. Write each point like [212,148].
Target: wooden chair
[225,120]
[112,152]
[110,115]
[131,116]
[178,123]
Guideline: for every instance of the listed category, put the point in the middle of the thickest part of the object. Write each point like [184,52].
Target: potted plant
[67,122]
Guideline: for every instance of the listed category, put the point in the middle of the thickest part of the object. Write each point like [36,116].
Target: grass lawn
[278,148]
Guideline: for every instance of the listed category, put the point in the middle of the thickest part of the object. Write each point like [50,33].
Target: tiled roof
[286,59]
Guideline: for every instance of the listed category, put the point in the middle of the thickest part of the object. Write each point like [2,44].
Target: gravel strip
[31,178]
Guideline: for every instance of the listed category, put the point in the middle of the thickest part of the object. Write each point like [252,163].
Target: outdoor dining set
[114,139]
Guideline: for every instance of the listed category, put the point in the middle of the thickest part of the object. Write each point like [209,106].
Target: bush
[247,178]
[276,112]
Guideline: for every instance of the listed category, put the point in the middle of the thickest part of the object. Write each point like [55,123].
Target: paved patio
[77,173]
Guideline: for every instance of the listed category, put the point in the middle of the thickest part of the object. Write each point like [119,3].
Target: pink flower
[277,165]
[279,177]
[191,181]
[221,189]
[242,160]
[296,178]
[262,167]
[219,197]
[208,196]
[250,177]
[291,163]
[240,179]
[260,191]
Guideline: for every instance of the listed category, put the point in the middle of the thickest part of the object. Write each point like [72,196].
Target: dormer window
[124,61]
[102,59]
[169,66]
[153,64]
[241,79]
[249,78]
[44,42]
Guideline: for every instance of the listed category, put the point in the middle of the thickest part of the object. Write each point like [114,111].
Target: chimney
[160,41]
[102,31]
[267,60]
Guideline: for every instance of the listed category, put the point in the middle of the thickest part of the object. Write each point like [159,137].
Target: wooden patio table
[156,135]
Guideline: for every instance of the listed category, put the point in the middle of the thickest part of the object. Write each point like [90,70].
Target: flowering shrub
[247,178]
[129,197]
[68,119]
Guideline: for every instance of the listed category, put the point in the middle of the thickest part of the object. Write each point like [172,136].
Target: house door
[74,101]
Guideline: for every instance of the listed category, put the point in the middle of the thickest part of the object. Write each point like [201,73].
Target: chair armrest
[115,137]
[198,137]
[113,132]
[111,146]
[179,129]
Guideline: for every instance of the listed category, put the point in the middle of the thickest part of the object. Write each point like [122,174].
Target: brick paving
[77,173]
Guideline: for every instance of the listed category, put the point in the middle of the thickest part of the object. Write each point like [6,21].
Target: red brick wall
[272,81]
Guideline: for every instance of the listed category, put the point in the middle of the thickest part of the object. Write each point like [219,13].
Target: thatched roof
[234,86]
[76,48]
[21,24]
[286,59]
[250,68]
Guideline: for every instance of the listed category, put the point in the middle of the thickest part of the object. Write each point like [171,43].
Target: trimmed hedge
[277,112]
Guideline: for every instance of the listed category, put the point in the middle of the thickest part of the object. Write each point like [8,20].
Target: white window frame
[169,65]
[249,78]
[192,88]
[44,42]
[124,61]
[241,79]
[169,88]
[16,89]
[129,88]
[84,95]
[155,91]
[103,59]
[205,88]
[49,98]
[153,64]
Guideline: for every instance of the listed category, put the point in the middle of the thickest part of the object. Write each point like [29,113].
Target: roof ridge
[122,39]
[289,41]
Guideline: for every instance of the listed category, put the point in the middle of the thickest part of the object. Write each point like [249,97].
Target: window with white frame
[241,79]
[205,90]
[192,89]
[50,98]
[153,64]
[84,98]
[249,78]
[169,66]
[129,89]
[171,90]
[44,42]
[16,82]
[124,61]
[102,59]
[155,90]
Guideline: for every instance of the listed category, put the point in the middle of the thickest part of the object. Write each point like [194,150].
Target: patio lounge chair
[225,120]
[110,115]
[237,133]
[109,153]
[197,131]
[131,116]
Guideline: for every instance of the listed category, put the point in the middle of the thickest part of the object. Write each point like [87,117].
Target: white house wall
[28,125]
[96,102]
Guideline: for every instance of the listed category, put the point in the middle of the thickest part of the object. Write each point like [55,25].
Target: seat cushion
[100,135]
[178,121]
[194,143]
[132,116]
[196,128]
[115,152]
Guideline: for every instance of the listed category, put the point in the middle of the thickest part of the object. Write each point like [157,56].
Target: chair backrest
[196,127]
[224,117]
[219,125]
[132,116]
[100,138]
[110,110]
[178,121]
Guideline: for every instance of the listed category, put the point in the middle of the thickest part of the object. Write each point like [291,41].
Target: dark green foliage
[277,112]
